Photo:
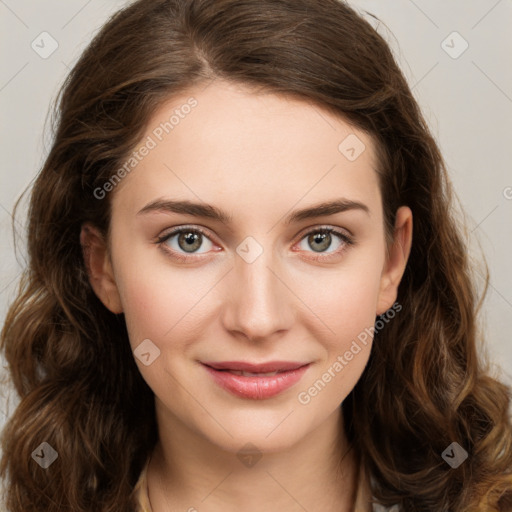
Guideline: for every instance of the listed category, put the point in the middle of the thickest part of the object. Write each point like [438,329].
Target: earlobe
[99,267]
[396,260]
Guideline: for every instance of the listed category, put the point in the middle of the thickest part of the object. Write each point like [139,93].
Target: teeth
[249,374]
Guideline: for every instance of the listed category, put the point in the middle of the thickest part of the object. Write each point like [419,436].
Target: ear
[99,267]
[396,262]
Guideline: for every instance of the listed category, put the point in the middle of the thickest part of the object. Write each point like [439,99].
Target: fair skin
[258,157]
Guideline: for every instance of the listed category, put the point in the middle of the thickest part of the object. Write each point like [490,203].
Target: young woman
[246,289]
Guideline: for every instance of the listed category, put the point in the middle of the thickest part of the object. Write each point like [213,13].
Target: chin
[270,432]
[254,442]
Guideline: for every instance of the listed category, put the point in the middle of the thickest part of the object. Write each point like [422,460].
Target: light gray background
[467,101]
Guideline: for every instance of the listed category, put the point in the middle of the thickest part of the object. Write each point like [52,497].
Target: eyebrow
[212,212]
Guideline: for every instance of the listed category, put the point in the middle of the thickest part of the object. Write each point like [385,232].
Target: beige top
[363,498]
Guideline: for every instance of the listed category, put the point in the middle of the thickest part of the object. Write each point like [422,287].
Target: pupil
[319,238]
[190,239]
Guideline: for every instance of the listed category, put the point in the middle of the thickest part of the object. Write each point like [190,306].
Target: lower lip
[257,388]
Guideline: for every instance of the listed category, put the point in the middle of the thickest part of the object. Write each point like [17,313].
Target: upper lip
[270,366]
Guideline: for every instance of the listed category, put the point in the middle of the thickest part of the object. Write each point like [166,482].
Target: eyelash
[347,241]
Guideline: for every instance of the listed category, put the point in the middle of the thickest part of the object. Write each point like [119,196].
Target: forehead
[227,144]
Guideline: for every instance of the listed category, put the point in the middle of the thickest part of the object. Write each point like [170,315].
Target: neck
[187,472]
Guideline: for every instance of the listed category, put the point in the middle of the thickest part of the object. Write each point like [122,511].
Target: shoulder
[140,491]
[364,497]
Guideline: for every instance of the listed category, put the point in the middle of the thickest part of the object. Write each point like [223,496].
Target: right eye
[183,242]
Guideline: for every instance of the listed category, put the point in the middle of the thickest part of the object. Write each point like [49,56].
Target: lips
[256,381]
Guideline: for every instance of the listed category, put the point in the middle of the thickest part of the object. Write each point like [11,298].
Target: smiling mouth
[256,381]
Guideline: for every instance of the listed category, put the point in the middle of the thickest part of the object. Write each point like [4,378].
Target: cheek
[170,308]
[346,299]
[346,304]
[159,305]
[346,351]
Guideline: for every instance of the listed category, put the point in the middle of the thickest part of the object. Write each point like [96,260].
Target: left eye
[322,239]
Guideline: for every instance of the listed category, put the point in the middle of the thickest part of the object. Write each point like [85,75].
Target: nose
[259,303]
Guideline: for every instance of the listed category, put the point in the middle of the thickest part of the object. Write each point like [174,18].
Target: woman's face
[260,284]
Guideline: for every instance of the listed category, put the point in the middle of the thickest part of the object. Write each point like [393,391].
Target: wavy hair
[424,386]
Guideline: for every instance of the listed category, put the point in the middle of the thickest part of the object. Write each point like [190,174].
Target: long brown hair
[80,390]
